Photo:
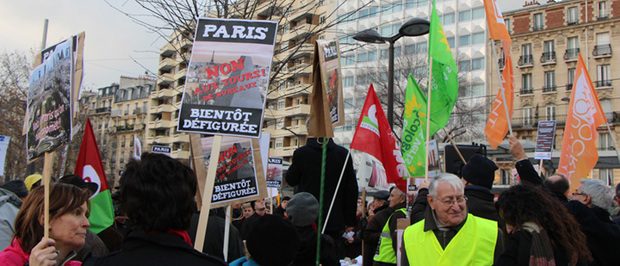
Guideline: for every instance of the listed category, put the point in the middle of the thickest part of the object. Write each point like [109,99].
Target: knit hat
[382,195]
[479,171]
[17,187]
[31,179]
[272,241]
[302,209]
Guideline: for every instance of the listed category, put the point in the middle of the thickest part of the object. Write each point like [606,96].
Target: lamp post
[413,27]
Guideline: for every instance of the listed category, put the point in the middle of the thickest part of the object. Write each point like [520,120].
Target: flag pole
[456,147]
[321,195]
[501,85]
[331,205]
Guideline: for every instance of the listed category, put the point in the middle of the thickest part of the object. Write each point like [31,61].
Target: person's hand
[516,149]
[44,253]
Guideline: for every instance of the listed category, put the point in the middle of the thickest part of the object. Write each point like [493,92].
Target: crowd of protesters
[451,220]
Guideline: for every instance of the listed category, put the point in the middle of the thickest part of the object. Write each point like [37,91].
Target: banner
[49,101]
[374,136]
[228,77]
[239,176]
[274,172]
[137,148]
[497,123]
[544,140]
[4,147]
[434,168]
[579,153]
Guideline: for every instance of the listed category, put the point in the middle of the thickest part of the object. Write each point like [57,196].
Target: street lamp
[413,27]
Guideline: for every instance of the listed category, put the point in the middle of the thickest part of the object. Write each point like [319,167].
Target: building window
[527,116]
[465,15]
[281,104]
[478,38]
[280,123]
[549,81]
[603,77]
[603,12]
[572,48]
[508,23]
[526,83]
[548,51]
[477,63]
[279,142]
[538,22]
[448,18]
[605,142]
[603,46]
[464,40]
[607,175]
[465,65]
[550,112]
[349,81]
[572,15]
[526,54]
[450,41]
[477,13]
[571,78]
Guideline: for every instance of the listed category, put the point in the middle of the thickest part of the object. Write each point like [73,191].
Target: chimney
[528,3]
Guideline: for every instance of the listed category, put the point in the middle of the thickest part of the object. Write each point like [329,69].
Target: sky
[112,39]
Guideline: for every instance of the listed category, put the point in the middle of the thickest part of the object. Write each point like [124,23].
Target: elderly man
[590,205]
[472,240]
[386,251]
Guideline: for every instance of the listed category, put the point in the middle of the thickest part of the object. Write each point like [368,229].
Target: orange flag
[585,115]
[495,20]
[497,124]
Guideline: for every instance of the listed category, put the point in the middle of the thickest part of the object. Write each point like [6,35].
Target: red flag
[579,154]
[374,136]
[89,167]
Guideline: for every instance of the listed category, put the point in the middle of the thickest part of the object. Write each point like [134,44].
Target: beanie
[479,171]
[302,209]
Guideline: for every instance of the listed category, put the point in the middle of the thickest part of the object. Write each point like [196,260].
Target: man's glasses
[451,200]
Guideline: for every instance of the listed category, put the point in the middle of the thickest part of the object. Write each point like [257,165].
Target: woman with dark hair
[68,225]
[541,230]
[157,195]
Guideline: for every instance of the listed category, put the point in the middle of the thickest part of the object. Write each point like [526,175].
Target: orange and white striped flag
[495,20]
[497,123]
[585,115]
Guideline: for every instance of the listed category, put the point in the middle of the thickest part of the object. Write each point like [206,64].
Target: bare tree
[175,20]
[466,116]
[14,73]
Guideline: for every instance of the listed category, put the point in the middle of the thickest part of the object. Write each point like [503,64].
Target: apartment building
[100,118]
[547,39]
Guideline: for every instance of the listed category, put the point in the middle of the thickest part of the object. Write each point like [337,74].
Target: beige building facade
[547,39]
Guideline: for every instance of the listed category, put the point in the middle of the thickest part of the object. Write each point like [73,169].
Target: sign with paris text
[161,149]
[545,139]
[274,172]
[228,77]
[49,101]
[239,175]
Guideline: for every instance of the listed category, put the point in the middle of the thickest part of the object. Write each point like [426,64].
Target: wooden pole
[456,147]
[48,165]
[208,193]
[227,231]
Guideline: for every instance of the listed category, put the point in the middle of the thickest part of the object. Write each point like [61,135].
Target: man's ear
[430,200]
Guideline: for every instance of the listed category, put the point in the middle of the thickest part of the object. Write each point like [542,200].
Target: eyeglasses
[449,201]
[579,194]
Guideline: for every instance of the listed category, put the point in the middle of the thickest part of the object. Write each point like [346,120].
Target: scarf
[541,251]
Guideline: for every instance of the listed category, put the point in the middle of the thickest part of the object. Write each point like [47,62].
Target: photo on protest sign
[545,140]
[329,60]
[239,175]
[274,172]
[434,168]
[49,101]
[228,77]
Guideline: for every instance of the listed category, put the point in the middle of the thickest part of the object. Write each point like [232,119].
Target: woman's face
[70,228]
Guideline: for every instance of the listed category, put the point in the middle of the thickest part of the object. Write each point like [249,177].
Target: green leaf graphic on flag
[445,83]
[413,146]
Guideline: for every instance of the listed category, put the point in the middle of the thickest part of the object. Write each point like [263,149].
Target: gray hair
[452,180]
[601,194]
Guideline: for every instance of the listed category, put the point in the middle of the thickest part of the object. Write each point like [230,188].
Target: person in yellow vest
[386,250]
[449,235]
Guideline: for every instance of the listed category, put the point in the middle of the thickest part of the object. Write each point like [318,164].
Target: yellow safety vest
[474,244]
[385,252]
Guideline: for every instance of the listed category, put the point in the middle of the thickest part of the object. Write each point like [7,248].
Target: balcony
[116,113]
[569,87]
[526,60]
[102,110]
[180,74]
[547,89]
[571,54]
[602,50]
[548,58]
[120,129]
[602,15]
[180,138]
[165,79]
[158,124]
[525,91]
[165,93]
[163,139]
[603,84]
[538,27]
[300,109]
[167,64]
[165,107]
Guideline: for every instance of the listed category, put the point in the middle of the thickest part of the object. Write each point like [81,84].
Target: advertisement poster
[228,77]
[4,146]
[239,174]
[329,56]
[274,172]
[545,139]
[49,101]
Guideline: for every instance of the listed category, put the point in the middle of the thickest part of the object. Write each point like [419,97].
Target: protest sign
[228,77]
[544,140]
[239,174]
[274,172]
[163,149]
[49,101]
[434,168]
[4,146]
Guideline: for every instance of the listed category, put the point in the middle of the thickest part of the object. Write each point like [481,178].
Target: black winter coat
[305,172]
[141,249]
[603,235]
[480,202]
[372,232]
[517,251]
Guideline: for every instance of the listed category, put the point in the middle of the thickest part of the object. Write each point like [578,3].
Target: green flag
[413,147]
[445,83]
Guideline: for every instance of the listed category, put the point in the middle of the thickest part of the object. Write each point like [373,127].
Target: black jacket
[372,232]
[307,251]
[305,172]
[214,243]
[527,173]
[602,234]
[141,249]
[517,251]
[480,202]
